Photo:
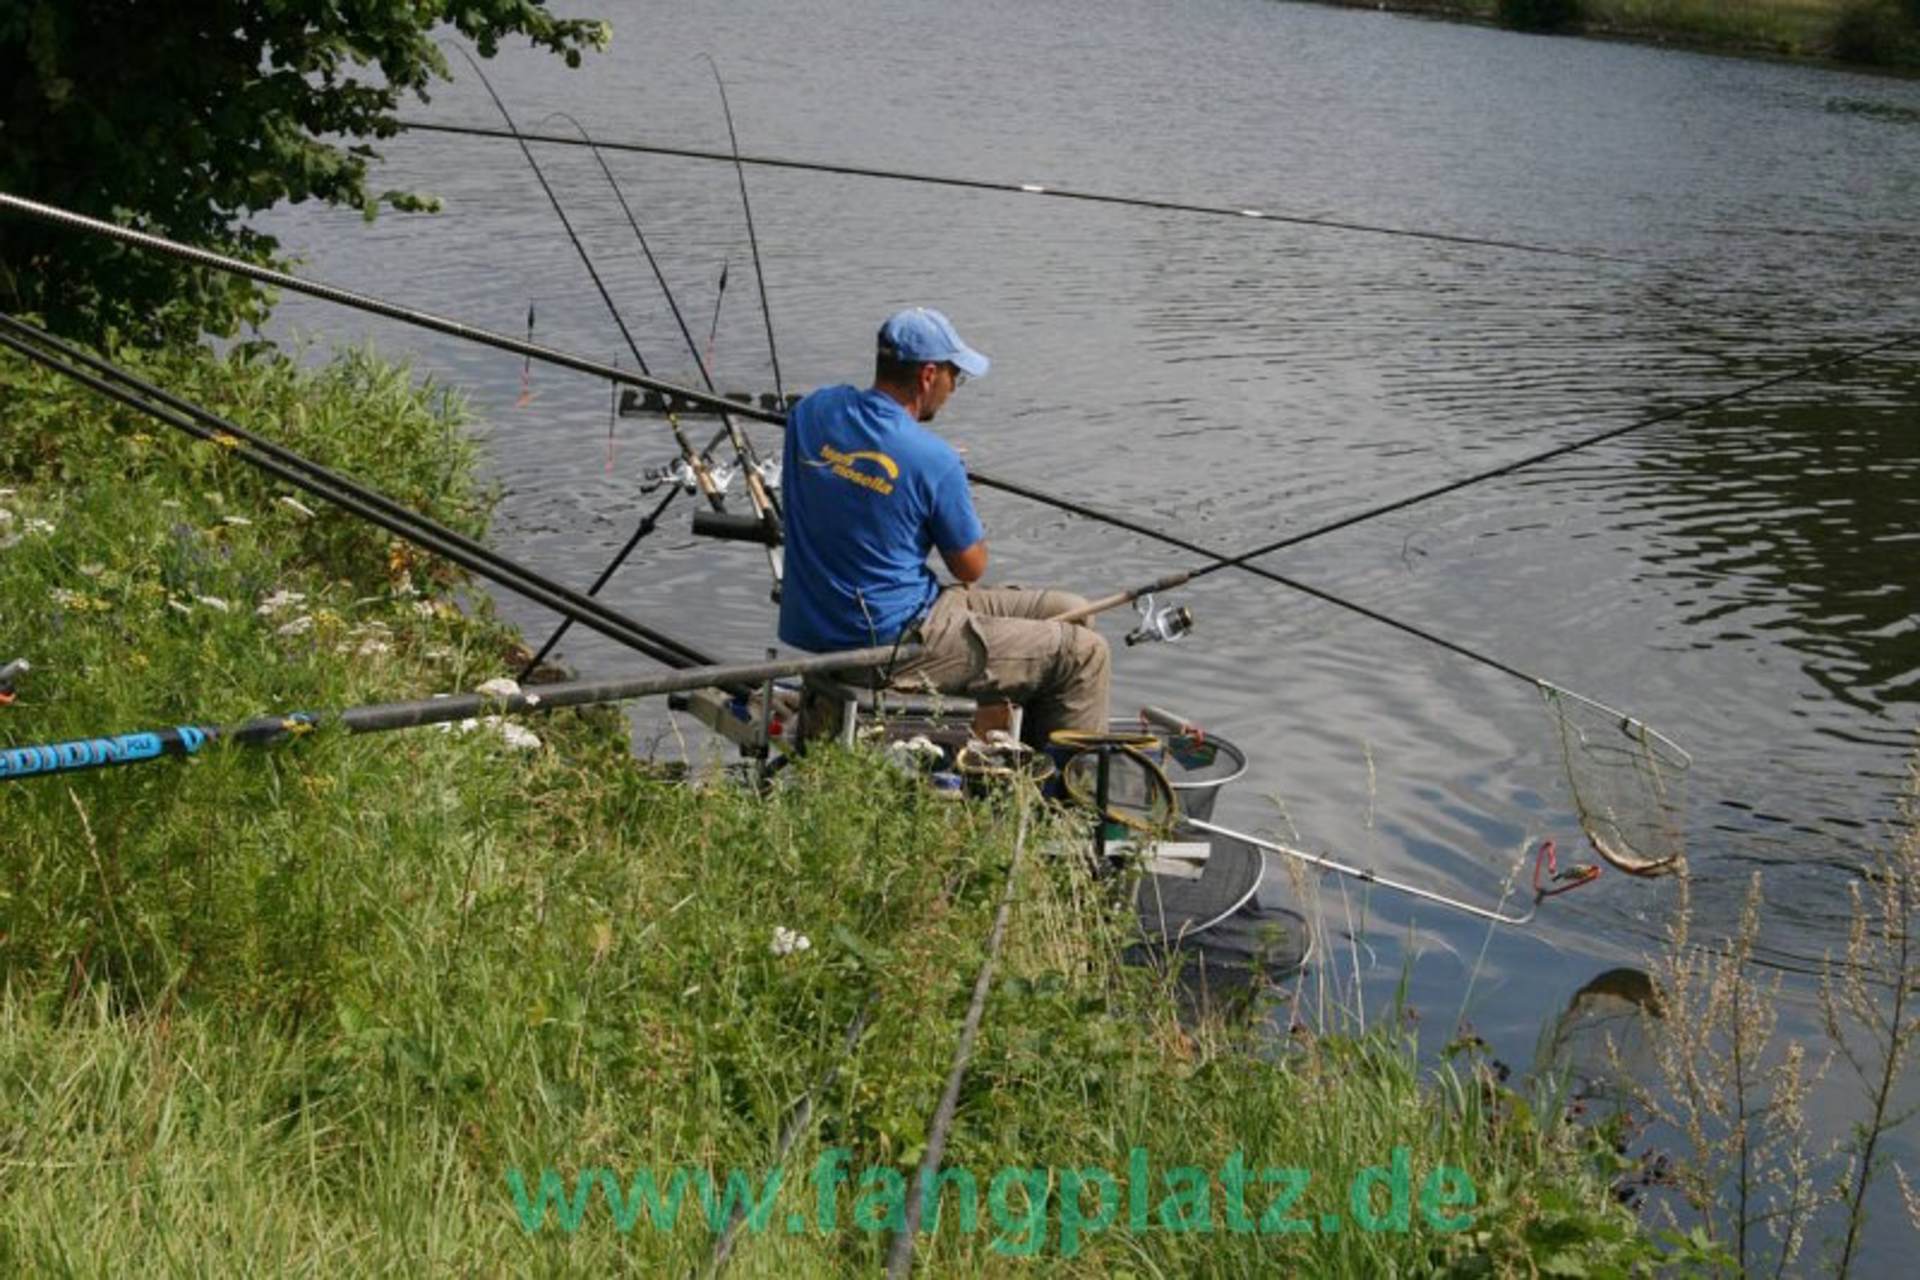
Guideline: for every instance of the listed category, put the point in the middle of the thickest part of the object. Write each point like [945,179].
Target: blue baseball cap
[921,334]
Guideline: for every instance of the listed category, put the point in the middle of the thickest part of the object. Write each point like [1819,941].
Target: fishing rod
[136,393]
[696,465]
[376,306]
[1217,562]
[753,241]
[80,754]
[765,508]
[1042,189]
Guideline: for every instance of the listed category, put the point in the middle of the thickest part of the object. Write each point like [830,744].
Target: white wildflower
[422,608]
[515,736]
[93,569]
[372,648]
[298,627]
[788,942]
[171,504]
[296,506]
[510,733]
[241,521]
[280,600]
[178,606]
[39,526]
[214,603]
[67,599]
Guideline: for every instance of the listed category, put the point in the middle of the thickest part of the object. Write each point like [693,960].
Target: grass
[312,1010]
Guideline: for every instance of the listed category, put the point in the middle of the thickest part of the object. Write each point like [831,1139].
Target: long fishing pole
[377,306]
[1242,561]
[457,329]
[753,241]
[763,509]
[139,747]
[1041,189]
[647,524]
[696,465]
[764,505]
[118,384]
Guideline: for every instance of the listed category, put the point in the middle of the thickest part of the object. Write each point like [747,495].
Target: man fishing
[869,491]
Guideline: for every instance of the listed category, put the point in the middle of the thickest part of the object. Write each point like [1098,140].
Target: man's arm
[968,565]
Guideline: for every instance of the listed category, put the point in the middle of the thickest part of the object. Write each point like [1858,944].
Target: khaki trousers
[997,644]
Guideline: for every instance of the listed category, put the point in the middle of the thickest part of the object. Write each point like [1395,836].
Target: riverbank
[437,1001]
[1874,33]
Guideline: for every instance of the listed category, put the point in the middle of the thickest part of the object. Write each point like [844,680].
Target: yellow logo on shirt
[842,464]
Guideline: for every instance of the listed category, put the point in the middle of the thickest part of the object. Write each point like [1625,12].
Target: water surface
[1742,578]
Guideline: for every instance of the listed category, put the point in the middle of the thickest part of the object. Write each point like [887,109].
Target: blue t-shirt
[867,493]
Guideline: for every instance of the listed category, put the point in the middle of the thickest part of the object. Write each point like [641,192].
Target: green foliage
[319,1000]
[1883,33]
[1537,15]
[183,119]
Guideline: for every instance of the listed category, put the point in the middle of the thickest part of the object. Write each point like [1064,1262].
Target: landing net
[1629,783]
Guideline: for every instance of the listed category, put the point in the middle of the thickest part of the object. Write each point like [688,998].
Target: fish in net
[1629,783]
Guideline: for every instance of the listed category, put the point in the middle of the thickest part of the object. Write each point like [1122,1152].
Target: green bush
[1879,33]
[1538,15]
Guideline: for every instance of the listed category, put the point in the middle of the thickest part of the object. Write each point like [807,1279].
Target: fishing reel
[681,474]
[678,473]
[1159,623]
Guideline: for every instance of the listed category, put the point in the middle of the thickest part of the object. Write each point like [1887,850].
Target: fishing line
[753,241]
[1041,189]
[310,477]
[701,474]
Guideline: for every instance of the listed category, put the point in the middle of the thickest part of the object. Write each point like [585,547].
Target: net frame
[1638,826]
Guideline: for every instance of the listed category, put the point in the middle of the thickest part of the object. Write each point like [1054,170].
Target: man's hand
[969,565]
